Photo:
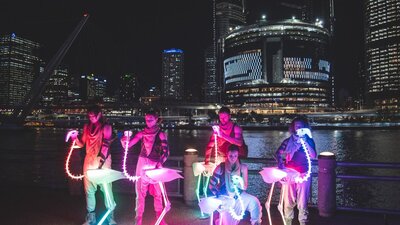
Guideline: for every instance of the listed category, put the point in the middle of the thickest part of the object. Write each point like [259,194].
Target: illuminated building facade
[128,88]
[92,87]
[278,67]
[172,75]
[382,56]
[56,90]
[210,81]
[19,65]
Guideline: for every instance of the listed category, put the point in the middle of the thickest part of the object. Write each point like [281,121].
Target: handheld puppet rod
[128,134]
[103,177]
[70,134]
[273,174]
[161,175]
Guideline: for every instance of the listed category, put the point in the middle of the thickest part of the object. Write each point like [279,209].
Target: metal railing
[256,164]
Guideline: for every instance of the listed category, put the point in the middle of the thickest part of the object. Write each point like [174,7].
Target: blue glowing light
[173,50]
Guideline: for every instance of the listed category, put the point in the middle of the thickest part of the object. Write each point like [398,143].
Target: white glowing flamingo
[273,174]
[160,176]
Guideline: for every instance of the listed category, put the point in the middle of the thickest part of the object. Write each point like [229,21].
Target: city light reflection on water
[36,157]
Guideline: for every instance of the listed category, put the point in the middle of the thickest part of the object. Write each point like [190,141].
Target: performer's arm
[237,140]
[214,181]
[245,175]
[278,154]
[105,145]
[81,143]
[310,144]
[133,141]
[164,146]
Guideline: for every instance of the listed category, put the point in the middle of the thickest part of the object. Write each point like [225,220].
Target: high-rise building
[382,56]
[210,82]
[56,90]
[19,65]
[172,75]
[128,88]
[92,87]
[278,67]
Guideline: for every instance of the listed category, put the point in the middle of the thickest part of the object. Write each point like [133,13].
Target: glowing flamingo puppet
[201,170]
[224,203]
[98,176]
[160,176]
[273,174]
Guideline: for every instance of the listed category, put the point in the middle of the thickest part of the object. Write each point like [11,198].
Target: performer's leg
[289,202]
[90,190]
[141,192]
[109,201]
[252,204]
[303,194]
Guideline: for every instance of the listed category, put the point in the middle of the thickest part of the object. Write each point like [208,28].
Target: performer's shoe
[138,220]
[90,219]
[110,219]
[162,221]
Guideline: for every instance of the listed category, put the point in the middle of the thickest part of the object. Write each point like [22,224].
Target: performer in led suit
[227,177]
[96,138]
[296,158]
[154,152]
[228,133]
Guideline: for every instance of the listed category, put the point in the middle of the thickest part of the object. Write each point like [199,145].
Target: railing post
[326,184]
[189,182]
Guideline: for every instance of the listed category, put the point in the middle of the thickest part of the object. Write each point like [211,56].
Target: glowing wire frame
[128,134]
[72,148]
[231,209]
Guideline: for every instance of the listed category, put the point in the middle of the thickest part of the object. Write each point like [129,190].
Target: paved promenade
[44,206]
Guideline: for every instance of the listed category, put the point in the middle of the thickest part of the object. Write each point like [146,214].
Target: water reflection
[37,157]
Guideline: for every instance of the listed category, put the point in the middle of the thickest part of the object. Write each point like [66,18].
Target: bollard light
[326,184]
[189,183]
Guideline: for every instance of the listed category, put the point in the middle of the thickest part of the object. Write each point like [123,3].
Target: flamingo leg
[268,203]
[166,203]
[280,205]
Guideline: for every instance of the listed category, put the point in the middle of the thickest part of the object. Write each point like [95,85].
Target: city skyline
[128,37]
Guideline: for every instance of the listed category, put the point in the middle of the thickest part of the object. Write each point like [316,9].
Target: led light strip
[232,211]
[75,177]
[302,179]
[216,149]
[131,178]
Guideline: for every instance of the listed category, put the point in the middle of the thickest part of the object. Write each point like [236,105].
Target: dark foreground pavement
[44,206]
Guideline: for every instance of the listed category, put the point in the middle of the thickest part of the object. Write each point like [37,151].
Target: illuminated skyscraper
[19,64]
[382,56]
[128,88]
[172,75]
[56,91]
[92,87]
[210,82]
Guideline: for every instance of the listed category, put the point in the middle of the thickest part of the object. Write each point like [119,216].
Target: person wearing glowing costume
[154,152]
[296,158]
[223,181]
[228,133]
[96,138]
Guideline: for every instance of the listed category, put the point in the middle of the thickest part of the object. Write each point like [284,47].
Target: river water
[37,157]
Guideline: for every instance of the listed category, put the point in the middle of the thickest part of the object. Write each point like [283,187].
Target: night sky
[129,36]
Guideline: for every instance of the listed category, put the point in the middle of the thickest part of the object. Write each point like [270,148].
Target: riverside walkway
[46,206]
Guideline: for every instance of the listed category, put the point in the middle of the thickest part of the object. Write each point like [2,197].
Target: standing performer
[229,133]
[227,176]
[154,152]
[97,138]
[296,158]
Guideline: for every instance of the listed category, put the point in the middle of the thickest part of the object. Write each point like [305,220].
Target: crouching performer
[230,179]
[97,139]
[154,152]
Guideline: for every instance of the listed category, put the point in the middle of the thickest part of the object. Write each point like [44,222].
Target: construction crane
[25,107]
